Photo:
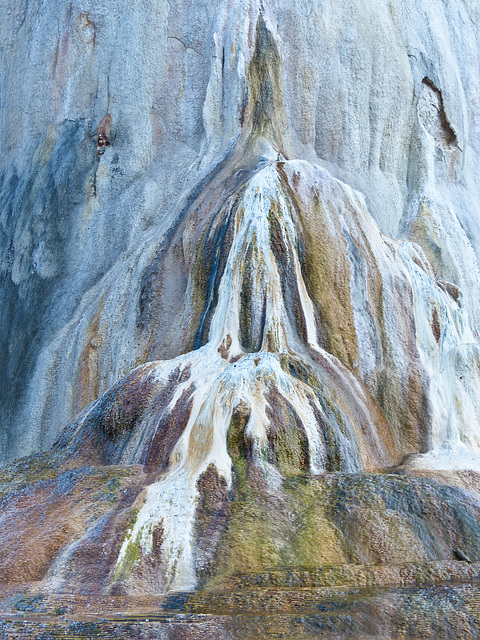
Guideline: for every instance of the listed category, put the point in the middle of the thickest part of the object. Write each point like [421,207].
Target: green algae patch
[132,554]
[316,540]
[273,527]
[265,113]
[256,529]
[288,442]
[327,272]
[252,537]
[339,521]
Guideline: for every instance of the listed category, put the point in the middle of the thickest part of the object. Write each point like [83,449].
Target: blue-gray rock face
[239,253]
[126,127]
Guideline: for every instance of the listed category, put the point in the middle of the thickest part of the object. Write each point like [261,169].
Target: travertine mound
[240,290]
[123,124]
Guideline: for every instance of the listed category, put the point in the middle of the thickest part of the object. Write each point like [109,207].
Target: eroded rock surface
[240,266]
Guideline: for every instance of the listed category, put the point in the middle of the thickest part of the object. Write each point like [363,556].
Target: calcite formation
[240,266]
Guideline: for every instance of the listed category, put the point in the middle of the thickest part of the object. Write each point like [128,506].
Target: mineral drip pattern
[268,387]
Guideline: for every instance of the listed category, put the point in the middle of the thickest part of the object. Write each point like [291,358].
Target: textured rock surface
[331,614]
[239,247]
[385,97]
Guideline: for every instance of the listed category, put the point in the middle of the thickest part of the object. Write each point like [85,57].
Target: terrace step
[344,602]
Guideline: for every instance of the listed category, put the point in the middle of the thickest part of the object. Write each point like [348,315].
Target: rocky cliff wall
[191,97]
[239,251]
